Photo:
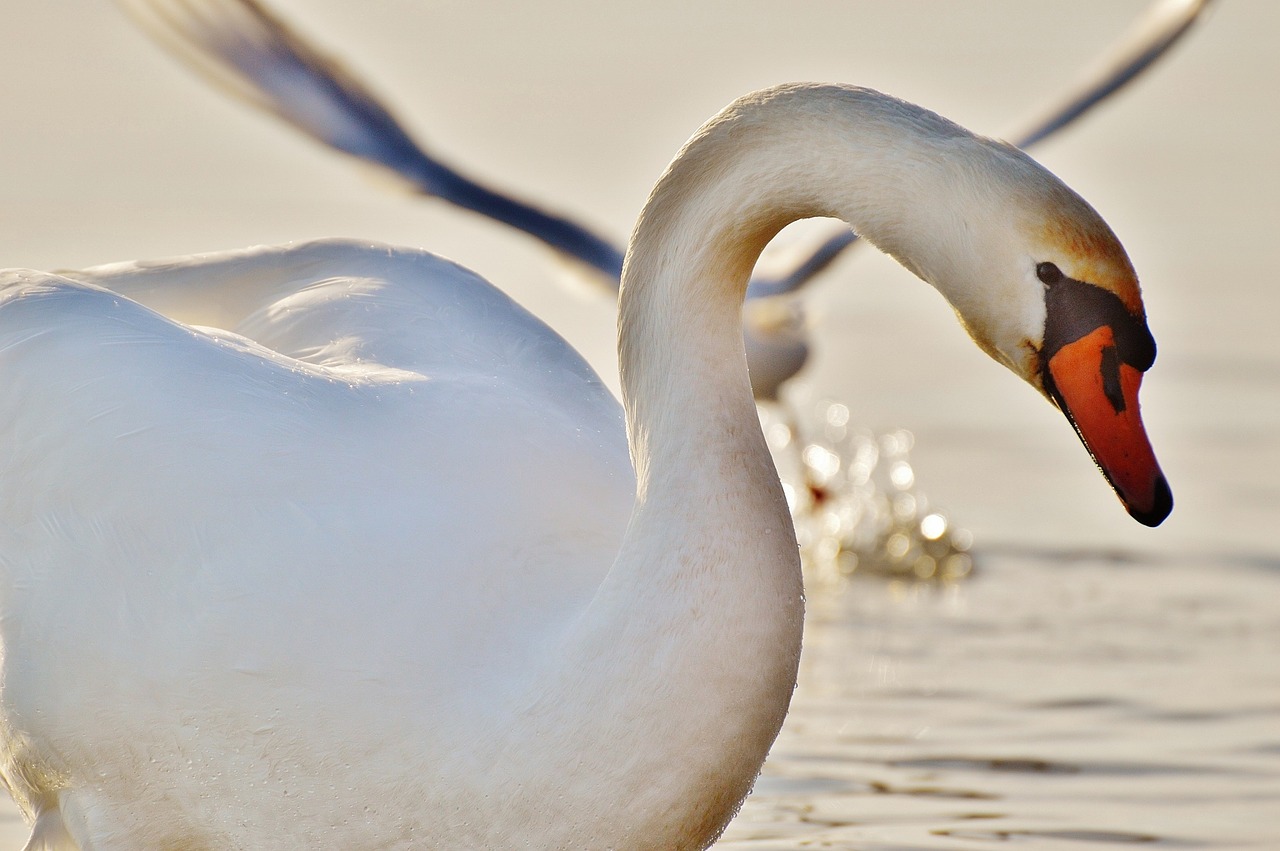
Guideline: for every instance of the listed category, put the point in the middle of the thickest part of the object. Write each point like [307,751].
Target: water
[1092,685]
[1051,701]
[853,497]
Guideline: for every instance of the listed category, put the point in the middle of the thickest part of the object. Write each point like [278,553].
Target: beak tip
[1160,508]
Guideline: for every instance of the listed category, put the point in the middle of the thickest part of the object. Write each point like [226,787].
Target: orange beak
[1099,394]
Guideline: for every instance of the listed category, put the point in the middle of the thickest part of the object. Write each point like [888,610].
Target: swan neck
[689,649]
[770,159]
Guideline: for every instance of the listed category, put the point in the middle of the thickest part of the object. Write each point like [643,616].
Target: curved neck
[710,519]
[695,633]
[789,153]
[688,651]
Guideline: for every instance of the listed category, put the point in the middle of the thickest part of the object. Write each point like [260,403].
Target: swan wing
[244,48]
[195,525]
[433,312]
[1158,29]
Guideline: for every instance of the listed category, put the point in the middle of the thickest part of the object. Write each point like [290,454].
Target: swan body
[334,545]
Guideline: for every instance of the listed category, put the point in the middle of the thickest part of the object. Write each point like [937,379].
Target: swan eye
[1048,273]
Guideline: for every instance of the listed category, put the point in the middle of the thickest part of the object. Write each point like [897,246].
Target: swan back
[343,302]
[202,528]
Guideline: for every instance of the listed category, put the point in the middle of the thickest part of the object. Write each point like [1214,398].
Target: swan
[363,555]
[255,54]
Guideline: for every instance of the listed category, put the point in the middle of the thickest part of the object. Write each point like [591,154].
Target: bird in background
[251,51]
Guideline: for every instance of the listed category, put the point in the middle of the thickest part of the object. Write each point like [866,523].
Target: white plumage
[334,545]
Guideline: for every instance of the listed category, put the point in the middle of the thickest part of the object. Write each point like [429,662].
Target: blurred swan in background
[250,51]
[353,554]
[853,493]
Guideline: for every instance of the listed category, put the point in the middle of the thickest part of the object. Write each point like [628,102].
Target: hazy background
[112,151]
[109,151]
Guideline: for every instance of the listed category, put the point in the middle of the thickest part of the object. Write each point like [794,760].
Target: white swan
[252,52]
[369,568]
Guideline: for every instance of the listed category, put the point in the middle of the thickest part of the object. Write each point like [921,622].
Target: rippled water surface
[1048,702]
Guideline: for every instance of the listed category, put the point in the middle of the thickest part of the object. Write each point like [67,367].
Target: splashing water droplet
[853,499]
[933,526]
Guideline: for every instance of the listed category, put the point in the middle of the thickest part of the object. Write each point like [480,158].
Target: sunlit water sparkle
[854,499]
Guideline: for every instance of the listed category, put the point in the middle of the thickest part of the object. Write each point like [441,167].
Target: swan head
[1036,276]
[1043,285]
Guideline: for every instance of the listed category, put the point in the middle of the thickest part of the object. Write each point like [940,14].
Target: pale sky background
[111,151]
